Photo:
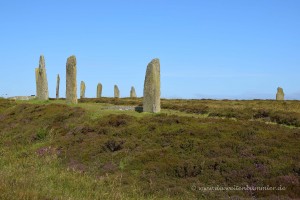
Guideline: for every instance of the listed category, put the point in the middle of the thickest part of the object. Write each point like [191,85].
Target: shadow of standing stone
[138,109]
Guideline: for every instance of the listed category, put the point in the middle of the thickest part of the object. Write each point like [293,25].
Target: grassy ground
[281,112]
[49,150]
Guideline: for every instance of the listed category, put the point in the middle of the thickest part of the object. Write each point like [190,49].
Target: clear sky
[232,49]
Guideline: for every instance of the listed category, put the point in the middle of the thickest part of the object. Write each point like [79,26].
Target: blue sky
[232,49]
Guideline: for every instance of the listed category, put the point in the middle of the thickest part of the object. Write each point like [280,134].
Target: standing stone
[57,86]
[71,80]
[37,82]
[151,100]
[116,92]
[42,82]
[132,93]
[280,94]
[82,90]
[99,90]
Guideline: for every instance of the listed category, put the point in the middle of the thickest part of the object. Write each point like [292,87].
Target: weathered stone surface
[71,80]
[116,92]
[151,100]
[280,94]
[82,90]
[132,93]
[41,80]
[57,86]
[22,98]
[99,90]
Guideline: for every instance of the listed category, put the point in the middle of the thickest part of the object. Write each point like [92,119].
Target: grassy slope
[281,112]
[50,150]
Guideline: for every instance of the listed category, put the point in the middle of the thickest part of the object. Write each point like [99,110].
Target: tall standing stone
[99,90]
[57,86]
[151,100]
[280,94]
[82,90]
[42,82]
[71,80]
[132,93]
[116,92]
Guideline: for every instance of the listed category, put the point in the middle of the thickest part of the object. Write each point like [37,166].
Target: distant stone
[57,86]
[280,94]
[99,90]
[37,82]
[151,99]
[116,92]
[71,80]
[22,98]
[132,93]
[41,80]
[82,90]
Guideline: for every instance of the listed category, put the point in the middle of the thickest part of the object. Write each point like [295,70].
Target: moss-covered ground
[50,150]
